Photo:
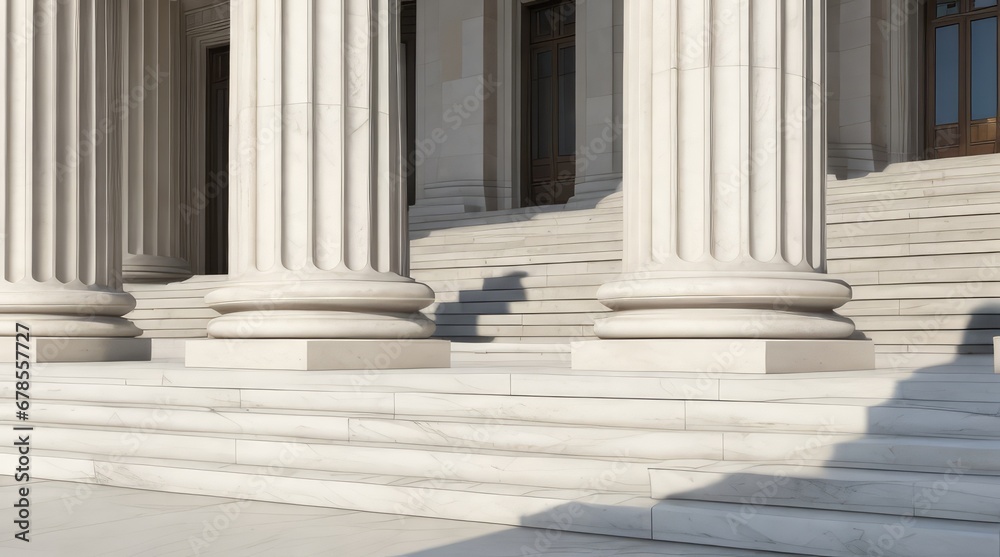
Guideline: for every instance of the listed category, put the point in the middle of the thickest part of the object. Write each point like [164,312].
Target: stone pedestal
[315,199]
[61,158]
[712,356]
[724,178]
[318,354]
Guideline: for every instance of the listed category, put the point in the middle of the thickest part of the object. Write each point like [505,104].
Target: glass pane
[543,64]
[569,12]
[567,100]
[984,68]
[948,7]
[976,4]
[543,22]
[946,75]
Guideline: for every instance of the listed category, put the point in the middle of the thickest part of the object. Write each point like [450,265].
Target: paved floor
[79,520]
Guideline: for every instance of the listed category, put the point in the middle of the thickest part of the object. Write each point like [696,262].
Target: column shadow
[467,317]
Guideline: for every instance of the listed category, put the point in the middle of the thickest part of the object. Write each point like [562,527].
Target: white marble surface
[663,414]
[955,494]
[552,439]
[711,356]
[103,521]
[822,532]
[466,464]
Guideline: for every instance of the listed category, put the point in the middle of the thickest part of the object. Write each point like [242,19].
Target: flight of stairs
[524,275]
[828,464]
[920,244]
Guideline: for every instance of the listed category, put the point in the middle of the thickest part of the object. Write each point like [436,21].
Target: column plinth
[724,170]
[61,155]
[315,199]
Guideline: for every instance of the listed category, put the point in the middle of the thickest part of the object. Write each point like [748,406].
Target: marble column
[152,171]
[315,196]
[61,165]
[724,166]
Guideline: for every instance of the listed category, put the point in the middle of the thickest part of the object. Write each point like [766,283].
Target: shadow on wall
[478,315]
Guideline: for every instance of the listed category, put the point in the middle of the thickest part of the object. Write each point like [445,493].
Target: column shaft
[724,174]
[60,159]
[315,197]
[151,146]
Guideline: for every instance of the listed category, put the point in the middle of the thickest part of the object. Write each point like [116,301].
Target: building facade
[509,119]
[520,262]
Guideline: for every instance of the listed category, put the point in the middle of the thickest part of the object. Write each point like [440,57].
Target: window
[550,135]
[962,78]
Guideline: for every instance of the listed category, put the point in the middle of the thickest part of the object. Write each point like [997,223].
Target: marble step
[176,427]
[970,337]
[937,236]
[450,291]
[565,319]
[904,214]
[876,451]
[967,195]
[589,511]
[580,305]
[587,292]
[958,275]
[704,415]
[547,237]
[122,382]
[486,260]
[485,252]
[610,229]
[983,261]
[889,183]
[955,494]
[821,532]
[911,226]
[876,194]
[883,452]
[198,282]
[558,471]
[916,248]
[504,220]
[919,322]
[544,269]
[479,331]
[927,170]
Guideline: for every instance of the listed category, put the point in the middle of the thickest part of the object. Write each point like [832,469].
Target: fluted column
[315,195]
[60,155]
[724,177]
[152,170]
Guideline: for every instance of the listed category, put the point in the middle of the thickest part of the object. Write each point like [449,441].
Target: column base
[724,355]
[154,269]
[82,349]
[318,354]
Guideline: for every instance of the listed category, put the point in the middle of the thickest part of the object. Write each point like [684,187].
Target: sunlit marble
[94,520]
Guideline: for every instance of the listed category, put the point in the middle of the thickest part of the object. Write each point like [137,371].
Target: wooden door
[551,103]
